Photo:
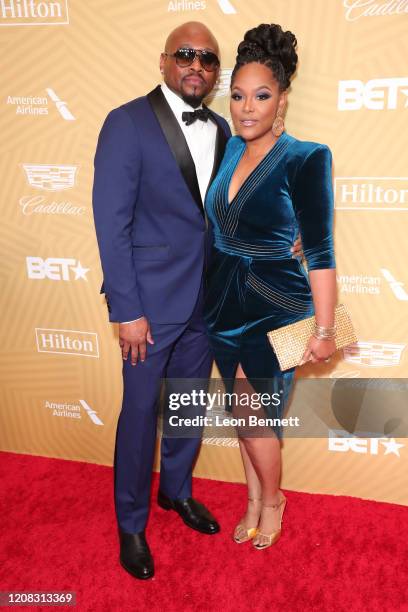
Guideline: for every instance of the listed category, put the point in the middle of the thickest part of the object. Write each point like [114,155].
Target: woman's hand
[297,248]
[318,350]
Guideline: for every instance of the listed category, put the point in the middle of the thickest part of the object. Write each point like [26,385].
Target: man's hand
[133,337]
[297,249]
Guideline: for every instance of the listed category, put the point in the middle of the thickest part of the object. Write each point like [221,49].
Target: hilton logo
[31,12]
[67,342]
[385,193]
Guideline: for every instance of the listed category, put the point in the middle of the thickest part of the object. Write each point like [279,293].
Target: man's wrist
[133,320]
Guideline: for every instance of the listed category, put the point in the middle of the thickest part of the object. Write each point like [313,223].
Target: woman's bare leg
[262,463]
[253,512]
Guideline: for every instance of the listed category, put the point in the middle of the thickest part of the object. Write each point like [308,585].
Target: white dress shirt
[201,137]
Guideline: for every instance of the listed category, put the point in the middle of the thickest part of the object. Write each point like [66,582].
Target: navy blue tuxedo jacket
[149,217]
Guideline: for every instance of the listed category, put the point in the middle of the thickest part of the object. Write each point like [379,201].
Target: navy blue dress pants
[180,351]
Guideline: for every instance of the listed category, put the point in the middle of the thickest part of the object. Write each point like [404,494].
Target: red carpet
[58,533]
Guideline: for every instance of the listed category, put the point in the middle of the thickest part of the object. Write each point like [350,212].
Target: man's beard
[192,100]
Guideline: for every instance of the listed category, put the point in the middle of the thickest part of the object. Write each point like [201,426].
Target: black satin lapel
[177,142]
[220,144]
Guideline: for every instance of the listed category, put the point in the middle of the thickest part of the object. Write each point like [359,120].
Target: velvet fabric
[254,284]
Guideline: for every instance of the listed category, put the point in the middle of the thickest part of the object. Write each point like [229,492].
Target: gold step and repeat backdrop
[64,65]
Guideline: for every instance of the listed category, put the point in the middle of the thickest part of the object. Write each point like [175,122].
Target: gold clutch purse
[289,342]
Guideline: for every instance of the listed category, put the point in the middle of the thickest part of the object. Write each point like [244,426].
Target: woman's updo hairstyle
[271,46]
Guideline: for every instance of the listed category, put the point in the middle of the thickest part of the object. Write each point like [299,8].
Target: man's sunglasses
[185,57]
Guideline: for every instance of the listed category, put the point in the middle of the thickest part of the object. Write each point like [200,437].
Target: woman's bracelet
[324,333]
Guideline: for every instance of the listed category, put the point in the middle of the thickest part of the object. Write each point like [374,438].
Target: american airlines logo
[55,268]
[73,410]
[61,106]
[33,12]
[91,413]
[368,284]
[397,287]
[386,193]
[50,177]
[359,284]
[374,354]
[67,342]
[376,94]
[340,441]
[37,106]
[178,6]
[227,7]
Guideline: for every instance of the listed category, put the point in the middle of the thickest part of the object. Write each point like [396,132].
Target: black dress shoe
[194,514]
[135,556]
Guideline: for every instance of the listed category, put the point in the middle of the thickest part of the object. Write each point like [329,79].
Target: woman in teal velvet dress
[270,185]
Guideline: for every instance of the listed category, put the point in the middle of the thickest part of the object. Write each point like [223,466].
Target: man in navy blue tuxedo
[155,158]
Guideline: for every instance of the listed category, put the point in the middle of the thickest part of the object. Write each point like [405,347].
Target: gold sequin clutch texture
[289,342]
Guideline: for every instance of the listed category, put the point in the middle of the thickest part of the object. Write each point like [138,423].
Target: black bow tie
[190,116]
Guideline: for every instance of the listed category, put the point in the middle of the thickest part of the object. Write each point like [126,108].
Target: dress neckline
[255,169]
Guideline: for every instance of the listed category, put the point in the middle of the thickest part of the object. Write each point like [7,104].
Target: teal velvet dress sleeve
[313,204]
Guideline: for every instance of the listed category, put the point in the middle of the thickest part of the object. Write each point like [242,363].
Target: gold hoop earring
[278,126]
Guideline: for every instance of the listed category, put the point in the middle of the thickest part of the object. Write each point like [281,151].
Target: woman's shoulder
[235,143]
[305,149]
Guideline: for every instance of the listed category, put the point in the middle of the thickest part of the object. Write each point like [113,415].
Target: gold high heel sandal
[272,538]
[241,533]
